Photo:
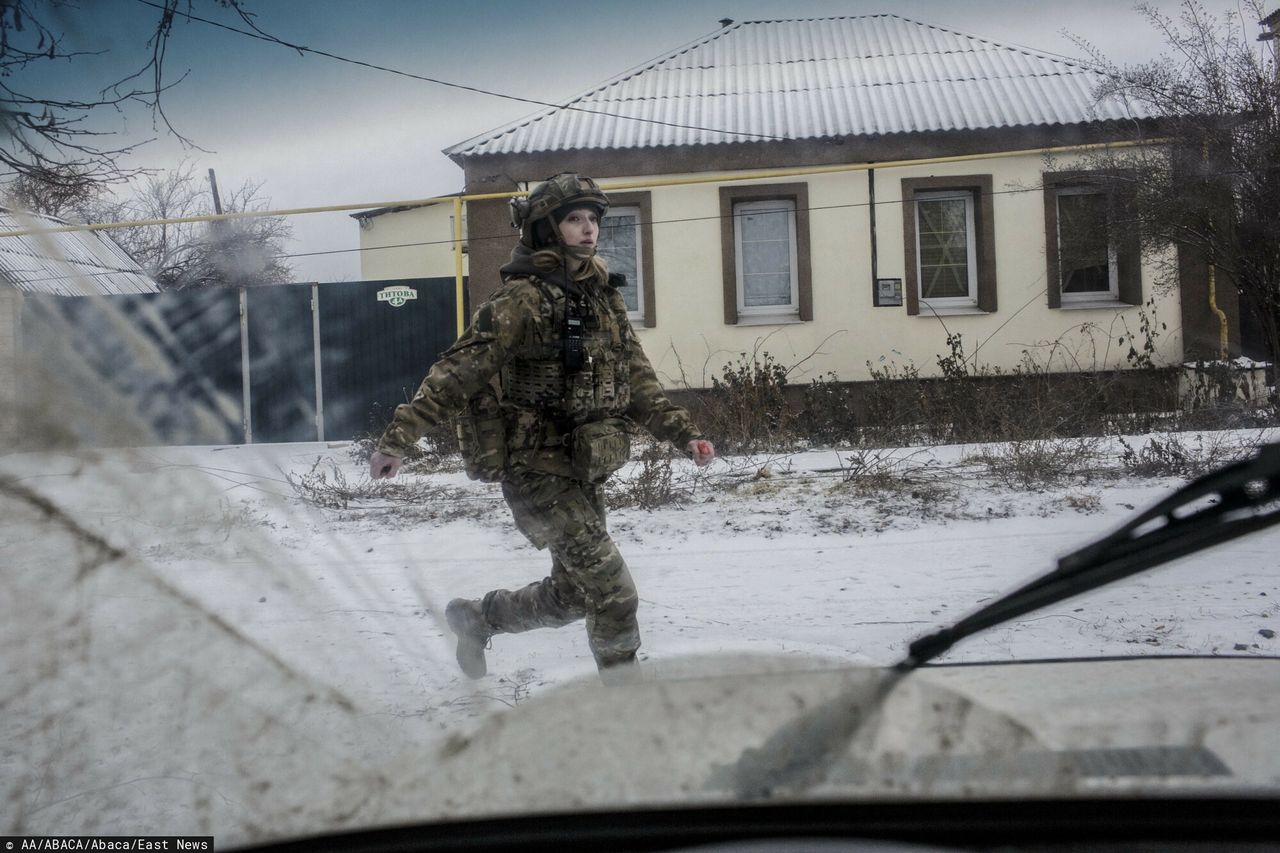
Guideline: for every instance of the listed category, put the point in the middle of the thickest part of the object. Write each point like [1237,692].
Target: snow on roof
[812,79]
[67,263]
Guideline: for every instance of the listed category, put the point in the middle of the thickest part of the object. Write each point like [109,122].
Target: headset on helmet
[564,190]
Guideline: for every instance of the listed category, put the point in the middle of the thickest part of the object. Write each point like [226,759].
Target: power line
[261,36]
[510,235]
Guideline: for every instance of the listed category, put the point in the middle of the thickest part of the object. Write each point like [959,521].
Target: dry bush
[652,485]
[1041,463]
[329,487]
[1059,388]
[1175,455]
[746,408]
[830,415]
[872,470]
[436,451]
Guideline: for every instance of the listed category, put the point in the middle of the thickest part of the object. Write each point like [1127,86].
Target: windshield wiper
[1240,498]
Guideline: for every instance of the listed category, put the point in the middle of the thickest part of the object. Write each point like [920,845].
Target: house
[1271,22]
[847,192]
[407,241]
[67,263]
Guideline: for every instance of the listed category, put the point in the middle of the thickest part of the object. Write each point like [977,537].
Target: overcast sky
[317,131]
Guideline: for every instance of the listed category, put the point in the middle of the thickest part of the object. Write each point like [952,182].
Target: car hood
[1063,728]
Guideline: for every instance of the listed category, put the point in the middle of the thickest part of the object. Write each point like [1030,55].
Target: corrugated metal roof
[812,79]
[399,208]
[68,263]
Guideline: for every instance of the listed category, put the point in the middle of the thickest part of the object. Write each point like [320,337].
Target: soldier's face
[580,227]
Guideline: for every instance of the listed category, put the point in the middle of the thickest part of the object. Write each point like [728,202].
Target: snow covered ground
[170,611]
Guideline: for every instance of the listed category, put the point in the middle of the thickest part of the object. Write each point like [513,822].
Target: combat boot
[466,620]
[625,670]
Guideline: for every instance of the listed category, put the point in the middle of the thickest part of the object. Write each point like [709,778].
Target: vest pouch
[599,448]
[482,438]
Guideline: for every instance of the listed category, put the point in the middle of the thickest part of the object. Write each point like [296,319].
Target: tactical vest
[573,370]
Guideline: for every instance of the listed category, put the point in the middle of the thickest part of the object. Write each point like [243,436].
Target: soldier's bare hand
[701,451]
[383,466]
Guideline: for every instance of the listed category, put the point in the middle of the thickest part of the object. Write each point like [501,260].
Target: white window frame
[1112,294]
[634,210]
[760,312]
[945,303]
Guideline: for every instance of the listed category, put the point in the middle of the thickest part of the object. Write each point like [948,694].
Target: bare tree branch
[45,137]
[1213,190]
[205,254]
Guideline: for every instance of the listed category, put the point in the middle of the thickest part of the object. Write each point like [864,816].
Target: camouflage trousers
[588,579]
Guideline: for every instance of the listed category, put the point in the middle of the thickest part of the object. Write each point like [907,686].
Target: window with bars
[949,243]
[945,249]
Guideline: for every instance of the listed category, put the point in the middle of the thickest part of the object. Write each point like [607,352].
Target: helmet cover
[557,194]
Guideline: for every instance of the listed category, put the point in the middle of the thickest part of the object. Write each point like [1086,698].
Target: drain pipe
[1213,279]
[871,207]
[1222,315]
[459,291]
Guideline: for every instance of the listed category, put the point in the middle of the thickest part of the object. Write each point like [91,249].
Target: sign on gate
[397,296]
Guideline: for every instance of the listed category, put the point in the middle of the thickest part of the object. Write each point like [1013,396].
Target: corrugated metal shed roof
[380,211]
[811,79]
[68,263]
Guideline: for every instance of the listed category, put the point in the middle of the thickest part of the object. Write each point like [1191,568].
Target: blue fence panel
[376,349]
[282,375]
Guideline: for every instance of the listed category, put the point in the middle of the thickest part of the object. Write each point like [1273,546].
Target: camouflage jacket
[514,344]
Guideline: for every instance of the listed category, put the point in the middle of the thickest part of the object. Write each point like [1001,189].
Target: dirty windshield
[423,412]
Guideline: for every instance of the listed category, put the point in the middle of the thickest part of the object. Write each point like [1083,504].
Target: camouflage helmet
[562,192]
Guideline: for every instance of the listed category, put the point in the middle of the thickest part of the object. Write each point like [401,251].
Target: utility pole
[245,380]
[213,185]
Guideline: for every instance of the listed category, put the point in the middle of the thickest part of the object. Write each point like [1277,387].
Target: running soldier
[548,379]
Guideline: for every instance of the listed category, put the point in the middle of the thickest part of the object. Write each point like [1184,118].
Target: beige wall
[422,238]
[691,342]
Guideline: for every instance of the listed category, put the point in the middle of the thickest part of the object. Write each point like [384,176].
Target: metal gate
[324,361]
[377,339]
